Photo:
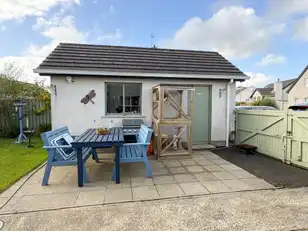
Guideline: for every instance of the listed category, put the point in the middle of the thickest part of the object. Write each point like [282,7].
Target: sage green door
[201,122]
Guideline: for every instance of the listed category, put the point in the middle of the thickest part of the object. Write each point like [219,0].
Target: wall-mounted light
[54,88]
[69,79]
[221,91]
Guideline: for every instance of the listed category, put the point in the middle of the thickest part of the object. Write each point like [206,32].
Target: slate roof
[285,83]
[267,92]
[298,78]
[95,58]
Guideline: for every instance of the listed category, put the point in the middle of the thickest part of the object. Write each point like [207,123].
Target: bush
[43,128]
[265,102]
[240,103]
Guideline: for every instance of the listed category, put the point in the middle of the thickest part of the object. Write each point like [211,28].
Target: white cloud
[111,9]
[301,29]
[57,29]
[111,38]
[18,9]
[235,32]
[286,8]
[271,59]
[256,80]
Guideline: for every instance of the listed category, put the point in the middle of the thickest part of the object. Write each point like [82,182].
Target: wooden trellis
[172,116]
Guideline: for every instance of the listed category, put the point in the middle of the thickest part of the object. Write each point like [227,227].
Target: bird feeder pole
[21,137]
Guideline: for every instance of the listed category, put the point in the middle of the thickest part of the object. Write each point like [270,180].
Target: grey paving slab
[184,178]
[237,185]
[160,171]
[124,183]
[211,156]
[257,183]
[163,179]
[204,176]
[45,201]
[171,163]
[193,188]
[220,161]
[215,186]
[169,190]
[213,168]
[91,197]
[118,195]
[141,181]
[195,168]
[240,174]
[187,162]
[3,200]
[144,192]
[204,162]
[224,175]
[230,167]
[177,170]
[12,202]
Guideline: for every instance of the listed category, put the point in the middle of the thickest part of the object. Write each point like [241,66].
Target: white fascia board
[136,74]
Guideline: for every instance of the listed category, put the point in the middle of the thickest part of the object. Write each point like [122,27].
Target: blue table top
[90,139]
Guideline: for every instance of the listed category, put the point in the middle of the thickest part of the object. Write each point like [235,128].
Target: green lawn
[16,160]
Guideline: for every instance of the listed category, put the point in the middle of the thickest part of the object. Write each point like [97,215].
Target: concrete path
[255,210]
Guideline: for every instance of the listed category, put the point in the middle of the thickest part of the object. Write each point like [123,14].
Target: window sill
[123,116]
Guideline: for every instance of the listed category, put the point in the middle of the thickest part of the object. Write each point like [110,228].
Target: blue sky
[267,39]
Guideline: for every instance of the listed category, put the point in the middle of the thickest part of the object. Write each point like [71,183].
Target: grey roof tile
[70,56]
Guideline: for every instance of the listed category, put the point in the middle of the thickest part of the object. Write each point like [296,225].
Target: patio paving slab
[171,163]
[205,176]
[118,195]
[220,161]
[91,197]
[195,168]
[169,190]
[144,192]
[230,167]
[187,162]
[213,168]
[141,181]
[241,174]
[194,188]
[211,156]
[237,185]
[257,183]
[176,170]
[204,162]
[163,179]
[125,183]
[184,178]
[160,171]
[215,186]
[224,175]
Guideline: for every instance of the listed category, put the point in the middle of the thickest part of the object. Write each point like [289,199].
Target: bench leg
[47,173]
[148,168]
[85,174]
[95,156]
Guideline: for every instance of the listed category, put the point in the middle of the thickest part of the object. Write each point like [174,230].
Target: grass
[16,160]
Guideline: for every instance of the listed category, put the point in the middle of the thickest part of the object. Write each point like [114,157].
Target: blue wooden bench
[60,152]
[137,152]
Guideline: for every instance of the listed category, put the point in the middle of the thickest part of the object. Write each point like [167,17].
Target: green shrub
[265,102]
[43,128]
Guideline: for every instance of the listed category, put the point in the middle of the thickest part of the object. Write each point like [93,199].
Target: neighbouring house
[243,94]
[298,91]
[122,79]
[277,91]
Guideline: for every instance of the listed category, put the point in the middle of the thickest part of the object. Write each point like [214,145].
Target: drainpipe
[227,112]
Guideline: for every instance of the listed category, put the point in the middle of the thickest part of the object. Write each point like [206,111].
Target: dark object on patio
[137,152]
[60,152]
[247,148]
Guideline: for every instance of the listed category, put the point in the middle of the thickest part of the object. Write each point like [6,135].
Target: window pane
[132,98]
[114,98]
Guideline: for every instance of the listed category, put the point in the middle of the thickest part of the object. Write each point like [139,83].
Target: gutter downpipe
[228,112]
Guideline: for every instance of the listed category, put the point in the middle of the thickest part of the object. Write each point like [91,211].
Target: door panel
[201,122]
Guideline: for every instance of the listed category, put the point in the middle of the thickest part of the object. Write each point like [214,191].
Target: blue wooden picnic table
[90,139]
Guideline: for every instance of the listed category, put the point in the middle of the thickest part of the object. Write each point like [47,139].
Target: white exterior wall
[67,110]
[299,92]
[244,95]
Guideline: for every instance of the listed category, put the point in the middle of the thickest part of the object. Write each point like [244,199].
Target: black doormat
[271,170]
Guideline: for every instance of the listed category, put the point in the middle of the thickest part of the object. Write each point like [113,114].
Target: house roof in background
[239,90]
[70,58]
[298,78]
[264,92]
[285,83]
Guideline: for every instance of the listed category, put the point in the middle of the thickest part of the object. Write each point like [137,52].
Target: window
[123,98]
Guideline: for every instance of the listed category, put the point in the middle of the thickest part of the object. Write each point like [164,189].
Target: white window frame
[123,92]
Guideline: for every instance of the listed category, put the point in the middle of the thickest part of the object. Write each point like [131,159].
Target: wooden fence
[282,135]
[31,119]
